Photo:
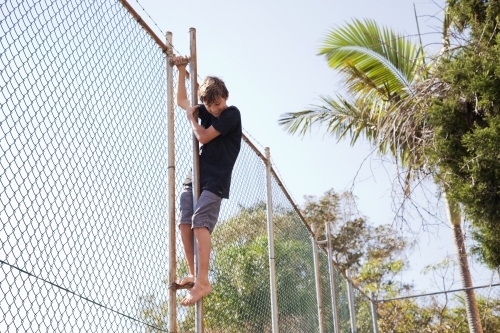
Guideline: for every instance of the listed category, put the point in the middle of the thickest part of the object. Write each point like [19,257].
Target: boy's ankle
[203,282]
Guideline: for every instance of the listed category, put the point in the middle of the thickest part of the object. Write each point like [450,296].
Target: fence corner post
[333,284]
[373,303]
[270,236]
[352,309]
[317,275]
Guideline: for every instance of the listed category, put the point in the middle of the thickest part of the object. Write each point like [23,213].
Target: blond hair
[211,88]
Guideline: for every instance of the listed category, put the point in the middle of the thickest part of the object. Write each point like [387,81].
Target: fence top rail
[435,293]
[144,25]
[279,182]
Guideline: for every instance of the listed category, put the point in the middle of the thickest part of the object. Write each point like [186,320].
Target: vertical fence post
[172,262]
[270,237]
[196,165]
[373,303]
[333,287]
[352,310]
[318,280]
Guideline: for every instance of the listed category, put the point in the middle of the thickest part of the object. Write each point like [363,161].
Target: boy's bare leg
[202,286]
[188,243]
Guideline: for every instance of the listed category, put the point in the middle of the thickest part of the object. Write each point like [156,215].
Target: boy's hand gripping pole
[183,61]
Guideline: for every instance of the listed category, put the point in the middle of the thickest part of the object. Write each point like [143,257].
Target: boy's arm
[182,99]
[204,135]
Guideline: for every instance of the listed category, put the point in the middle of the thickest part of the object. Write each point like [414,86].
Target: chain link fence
[82,133]
[439,312]
[83,203]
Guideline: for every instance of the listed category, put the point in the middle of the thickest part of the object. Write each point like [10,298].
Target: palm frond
[387,60]
[386,125]
[341,117]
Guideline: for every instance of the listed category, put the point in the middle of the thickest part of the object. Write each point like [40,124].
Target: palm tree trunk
[454,215]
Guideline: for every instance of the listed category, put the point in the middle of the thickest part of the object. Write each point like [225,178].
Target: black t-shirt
[217,157]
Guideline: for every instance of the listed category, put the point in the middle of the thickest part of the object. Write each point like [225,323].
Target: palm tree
[380,69]
[386,80]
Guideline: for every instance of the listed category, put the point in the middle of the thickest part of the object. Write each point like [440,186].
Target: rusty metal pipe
[144,25]
[196,165]
[172,262]
[317,276]
[270,237]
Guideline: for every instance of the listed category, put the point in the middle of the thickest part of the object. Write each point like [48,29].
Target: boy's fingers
[181,60]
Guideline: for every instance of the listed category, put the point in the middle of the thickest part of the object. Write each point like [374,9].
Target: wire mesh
[439,312]
[294,267]
[326,292]
[83,188]
[342,302]
[240,300]
[363,315]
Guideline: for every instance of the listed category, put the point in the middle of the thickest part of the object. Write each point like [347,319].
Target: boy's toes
[196,294]
[186,282]
[188,301]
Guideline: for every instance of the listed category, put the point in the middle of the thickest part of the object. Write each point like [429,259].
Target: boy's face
[216,108]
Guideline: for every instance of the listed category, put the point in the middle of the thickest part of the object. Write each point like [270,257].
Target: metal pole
[352,311]
[333,287]
[270,236]
[172,262]
[196,165]
[373,304]
[318,281]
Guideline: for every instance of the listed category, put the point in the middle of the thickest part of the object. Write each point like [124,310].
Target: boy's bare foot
[186,282]
[199,290]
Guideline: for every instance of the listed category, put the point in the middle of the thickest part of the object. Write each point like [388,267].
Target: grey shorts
[207,209]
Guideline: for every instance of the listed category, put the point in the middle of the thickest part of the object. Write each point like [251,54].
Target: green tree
[374,255]
[349,231]
[384,260]
[240,300]
[383,72]
[466,119]
[435,313]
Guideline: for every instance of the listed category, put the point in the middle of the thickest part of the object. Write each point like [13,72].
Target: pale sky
[265,51]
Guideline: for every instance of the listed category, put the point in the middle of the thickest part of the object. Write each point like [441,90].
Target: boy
[220,135]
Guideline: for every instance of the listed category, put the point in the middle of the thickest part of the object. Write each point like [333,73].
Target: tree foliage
[435,314]
[240,300]
[466,121]
[375,255]
[393,117]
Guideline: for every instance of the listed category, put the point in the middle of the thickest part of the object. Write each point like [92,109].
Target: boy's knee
[207,211]
[203,224]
